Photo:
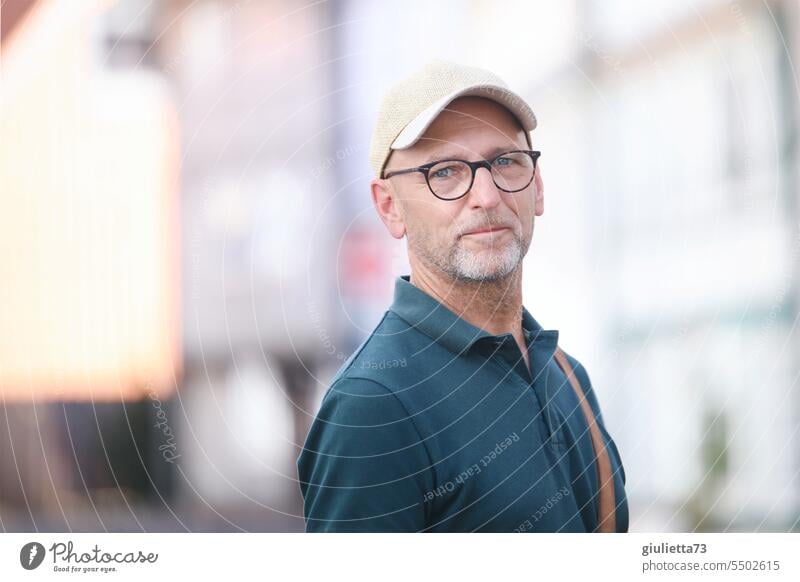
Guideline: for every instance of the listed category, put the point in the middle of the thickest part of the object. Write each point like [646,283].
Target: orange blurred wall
[89,276]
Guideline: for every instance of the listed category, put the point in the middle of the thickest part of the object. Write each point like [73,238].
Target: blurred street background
[189,251]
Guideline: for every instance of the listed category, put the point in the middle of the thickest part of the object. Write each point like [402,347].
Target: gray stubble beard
[464,266]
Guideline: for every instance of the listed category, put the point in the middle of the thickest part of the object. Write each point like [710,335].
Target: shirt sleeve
[364,466]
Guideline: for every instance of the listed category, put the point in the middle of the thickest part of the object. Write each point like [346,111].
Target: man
[459,412]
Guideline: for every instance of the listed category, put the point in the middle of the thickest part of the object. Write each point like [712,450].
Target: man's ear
[538,192]
[386,204]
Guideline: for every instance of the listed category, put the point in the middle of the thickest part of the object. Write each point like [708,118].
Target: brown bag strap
[606,513]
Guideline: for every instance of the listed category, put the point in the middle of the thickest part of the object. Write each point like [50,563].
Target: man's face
[484,235]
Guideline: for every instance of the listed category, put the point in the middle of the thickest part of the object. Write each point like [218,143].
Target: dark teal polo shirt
[436,425]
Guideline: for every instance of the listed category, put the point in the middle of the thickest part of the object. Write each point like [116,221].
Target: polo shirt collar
[428,315]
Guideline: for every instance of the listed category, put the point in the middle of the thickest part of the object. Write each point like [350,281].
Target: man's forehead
[432,149]
[443,150]
[474,113]
[485,144]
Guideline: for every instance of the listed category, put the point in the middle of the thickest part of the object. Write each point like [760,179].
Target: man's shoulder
[366,391]
[383,357]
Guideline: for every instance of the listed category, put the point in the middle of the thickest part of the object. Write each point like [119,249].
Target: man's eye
[446,172]
[502,161]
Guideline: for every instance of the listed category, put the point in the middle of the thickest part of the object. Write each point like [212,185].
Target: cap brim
[510,100]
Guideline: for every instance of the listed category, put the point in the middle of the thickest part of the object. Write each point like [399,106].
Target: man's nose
[484,192]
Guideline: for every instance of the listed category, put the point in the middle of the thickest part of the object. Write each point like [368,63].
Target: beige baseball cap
[412,104]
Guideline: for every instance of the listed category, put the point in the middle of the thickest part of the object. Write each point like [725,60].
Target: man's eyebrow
[460,156]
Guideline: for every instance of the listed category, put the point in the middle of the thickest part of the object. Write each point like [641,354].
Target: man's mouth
[487,231]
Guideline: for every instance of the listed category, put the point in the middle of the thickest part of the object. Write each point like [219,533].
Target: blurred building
[179,165]
[692,209]
[91,293]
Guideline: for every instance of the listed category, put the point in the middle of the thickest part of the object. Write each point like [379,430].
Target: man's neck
[495,306]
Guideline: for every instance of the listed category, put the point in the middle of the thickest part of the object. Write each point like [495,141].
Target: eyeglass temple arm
[406,171]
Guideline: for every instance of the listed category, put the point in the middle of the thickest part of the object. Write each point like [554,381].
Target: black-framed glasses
[511,171]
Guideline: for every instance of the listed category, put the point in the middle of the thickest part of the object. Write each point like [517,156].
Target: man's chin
[486,267]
